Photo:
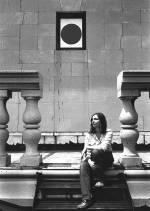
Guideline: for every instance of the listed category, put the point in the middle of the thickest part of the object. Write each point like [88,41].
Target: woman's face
[95,121]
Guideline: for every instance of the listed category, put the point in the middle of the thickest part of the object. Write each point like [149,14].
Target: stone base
[5,160]
[30,160]
[131,162]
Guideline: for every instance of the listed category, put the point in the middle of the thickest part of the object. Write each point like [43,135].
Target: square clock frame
[70,30]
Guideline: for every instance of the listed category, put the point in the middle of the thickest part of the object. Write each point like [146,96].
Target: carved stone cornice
[17,81]
[132,82]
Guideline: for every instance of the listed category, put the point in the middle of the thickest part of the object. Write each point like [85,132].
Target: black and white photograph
[74,105]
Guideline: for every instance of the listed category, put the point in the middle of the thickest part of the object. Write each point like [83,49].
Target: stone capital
[31,93]
[128,94]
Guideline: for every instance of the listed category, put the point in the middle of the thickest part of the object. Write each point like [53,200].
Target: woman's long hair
[103,125]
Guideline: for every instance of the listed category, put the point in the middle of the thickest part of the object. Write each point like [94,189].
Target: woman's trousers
[102,160]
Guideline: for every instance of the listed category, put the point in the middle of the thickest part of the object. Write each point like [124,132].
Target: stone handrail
[130,84]
[30,85]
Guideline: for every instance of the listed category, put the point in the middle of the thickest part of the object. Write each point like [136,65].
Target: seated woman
[95,158]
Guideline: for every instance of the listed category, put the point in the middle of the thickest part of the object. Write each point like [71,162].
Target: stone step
[71,205]
[62,192]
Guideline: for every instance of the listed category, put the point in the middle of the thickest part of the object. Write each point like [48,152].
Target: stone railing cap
[133,81]
[17,81]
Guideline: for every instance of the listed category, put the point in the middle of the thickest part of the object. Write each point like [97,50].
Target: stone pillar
[5,159]
[31,134]
[129,134]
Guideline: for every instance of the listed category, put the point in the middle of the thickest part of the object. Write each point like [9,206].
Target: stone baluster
[31,134]
[129,134]
[5,159]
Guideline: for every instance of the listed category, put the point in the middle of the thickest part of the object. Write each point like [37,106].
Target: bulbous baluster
[31,135]
[129,134]
[5,159]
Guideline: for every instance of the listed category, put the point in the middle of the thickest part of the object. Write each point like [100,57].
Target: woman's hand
[91,163]
[88,154]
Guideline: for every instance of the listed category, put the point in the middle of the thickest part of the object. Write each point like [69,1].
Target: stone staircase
[62,192]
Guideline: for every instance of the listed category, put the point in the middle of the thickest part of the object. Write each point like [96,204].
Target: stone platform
[24,179]
[68,159]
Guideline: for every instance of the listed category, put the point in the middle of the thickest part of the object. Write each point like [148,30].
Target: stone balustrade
[30,85]
[130,84]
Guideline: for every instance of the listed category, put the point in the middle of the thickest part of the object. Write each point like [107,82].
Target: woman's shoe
[84,204]
[99,184]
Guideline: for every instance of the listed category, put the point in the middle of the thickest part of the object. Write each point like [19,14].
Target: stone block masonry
[76,83]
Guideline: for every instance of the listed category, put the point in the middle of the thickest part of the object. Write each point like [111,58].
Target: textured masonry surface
[76,83]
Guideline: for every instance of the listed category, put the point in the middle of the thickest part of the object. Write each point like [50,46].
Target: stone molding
[18,81]
[132,82]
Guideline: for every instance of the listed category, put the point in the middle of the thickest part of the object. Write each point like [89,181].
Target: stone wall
[73,138]
[76,83]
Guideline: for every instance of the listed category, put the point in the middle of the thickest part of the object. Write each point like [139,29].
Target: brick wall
[76,83]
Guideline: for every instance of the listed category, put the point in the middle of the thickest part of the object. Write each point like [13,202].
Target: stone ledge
[9,172]
[137,181]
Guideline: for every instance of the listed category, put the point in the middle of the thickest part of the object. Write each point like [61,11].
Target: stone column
[5,159]
[31,134]
[129,134]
